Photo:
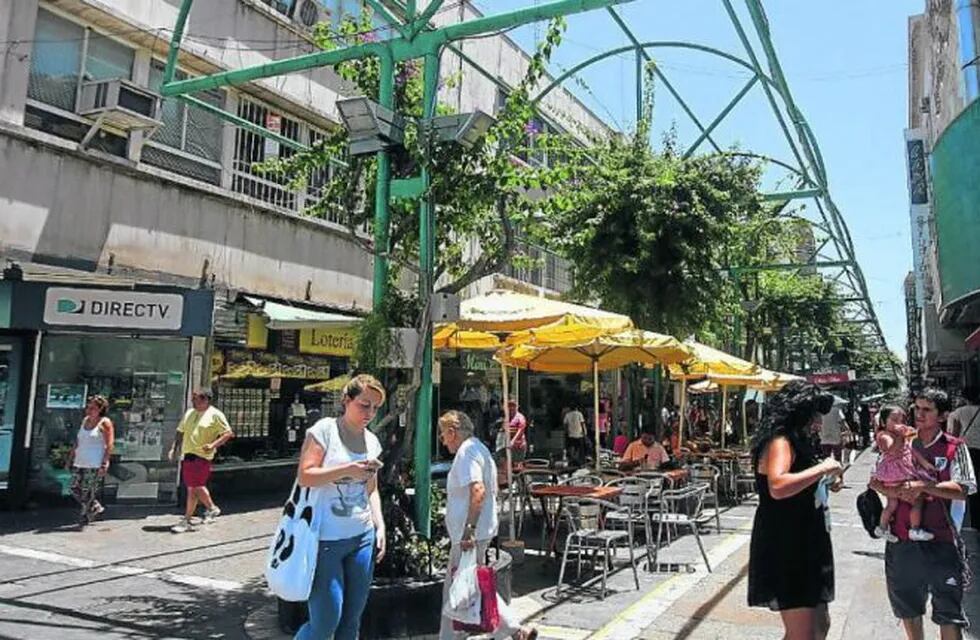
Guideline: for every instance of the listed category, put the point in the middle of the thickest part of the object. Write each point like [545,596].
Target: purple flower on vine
[532,128]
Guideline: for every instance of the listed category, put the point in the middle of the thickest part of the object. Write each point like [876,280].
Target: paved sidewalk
[129,577]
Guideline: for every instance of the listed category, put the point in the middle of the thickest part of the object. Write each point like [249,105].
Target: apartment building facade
[943,158]
[105,223]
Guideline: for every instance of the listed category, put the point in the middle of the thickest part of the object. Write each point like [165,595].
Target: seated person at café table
[645,453]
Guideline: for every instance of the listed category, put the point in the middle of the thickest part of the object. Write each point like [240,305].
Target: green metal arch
[665,44]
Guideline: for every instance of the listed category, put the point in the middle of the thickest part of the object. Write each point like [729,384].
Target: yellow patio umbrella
[502,311]
[333,384]
[556,349]
[452,336]
[708,362]
[764,380]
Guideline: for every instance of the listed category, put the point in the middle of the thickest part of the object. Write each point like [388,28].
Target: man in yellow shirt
[645,453]
[202,430]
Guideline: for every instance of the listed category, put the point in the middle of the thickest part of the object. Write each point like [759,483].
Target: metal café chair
[589,535]
[583,480]
[680,508]
[745,477]
[528,480]
[708,474]
[536,463]
[634,508]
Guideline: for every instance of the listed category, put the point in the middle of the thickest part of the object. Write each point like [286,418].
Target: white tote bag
[464,601]
[291,561]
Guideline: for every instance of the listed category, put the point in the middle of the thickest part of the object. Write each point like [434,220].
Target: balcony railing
[549,270]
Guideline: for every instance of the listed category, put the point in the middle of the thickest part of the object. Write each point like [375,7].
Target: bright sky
[846,65]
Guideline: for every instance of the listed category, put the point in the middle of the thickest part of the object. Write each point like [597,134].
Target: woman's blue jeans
[341,585]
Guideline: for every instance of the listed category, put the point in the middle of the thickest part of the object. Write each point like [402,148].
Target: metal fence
[549,270]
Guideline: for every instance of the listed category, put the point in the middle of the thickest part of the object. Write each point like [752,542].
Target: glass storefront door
[11,355]
[145,383]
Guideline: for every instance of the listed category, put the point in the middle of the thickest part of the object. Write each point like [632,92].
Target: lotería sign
[113,309]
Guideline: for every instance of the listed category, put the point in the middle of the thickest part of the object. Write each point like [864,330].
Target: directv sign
[115,309]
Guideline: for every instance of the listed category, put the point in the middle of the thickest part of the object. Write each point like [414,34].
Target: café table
[560,492]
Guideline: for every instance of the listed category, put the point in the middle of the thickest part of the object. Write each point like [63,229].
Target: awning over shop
[284,317]
[506,311]
[973,341]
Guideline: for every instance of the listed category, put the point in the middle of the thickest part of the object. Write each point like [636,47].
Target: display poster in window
[273,122]
[66,396]
[140,436]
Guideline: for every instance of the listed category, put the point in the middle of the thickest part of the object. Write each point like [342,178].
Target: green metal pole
[386,97]
[721,116]
[423,404]
[401,48]
[182,14]
[639,85]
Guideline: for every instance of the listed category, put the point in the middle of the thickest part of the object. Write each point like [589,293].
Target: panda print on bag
[286,542]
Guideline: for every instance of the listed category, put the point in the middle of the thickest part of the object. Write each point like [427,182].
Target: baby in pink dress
[899,463]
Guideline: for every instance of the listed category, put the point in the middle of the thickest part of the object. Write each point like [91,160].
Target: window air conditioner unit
[120,103]
[307,13]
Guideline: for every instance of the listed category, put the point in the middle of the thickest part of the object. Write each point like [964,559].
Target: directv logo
[67,305]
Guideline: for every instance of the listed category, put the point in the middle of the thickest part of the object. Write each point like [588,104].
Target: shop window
[66,54]
[189,141]
[143,379]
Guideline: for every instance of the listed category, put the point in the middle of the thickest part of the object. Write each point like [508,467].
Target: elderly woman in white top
[340,456]
[89,458]
[471,512]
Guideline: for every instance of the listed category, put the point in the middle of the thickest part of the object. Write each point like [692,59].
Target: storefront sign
[328,342]
[113,308]
[834,377]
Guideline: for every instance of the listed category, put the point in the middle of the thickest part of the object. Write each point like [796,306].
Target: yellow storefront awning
[284,317]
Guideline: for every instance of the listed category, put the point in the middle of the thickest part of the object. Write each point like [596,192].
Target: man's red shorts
[195,471]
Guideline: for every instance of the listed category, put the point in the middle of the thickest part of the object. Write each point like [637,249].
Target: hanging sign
[328,342]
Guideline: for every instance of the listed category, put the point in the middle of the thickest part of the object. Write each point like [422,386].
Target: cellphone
[374,462]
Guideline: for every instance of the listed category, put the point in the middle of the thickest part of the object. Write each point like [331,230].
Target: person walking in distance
[574,423]
[89,458]
[471,513]
[914,571]
[964,423]
[203,429]
[518,432]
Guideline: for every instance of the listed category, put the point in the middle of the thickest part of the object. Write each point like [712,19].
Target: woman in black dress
[791,562]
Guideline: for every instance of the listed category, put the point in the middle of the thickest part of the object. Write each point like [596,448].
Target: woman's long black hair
[790,414]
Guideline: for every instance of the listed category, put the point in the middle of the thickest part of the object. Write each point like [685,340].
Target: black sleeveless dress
[791,561]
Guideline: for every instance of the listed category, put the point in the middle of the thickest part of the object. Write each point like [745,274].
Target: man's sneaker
[97,510]
[887,534]
[183,526]
[211,514]
[920,535]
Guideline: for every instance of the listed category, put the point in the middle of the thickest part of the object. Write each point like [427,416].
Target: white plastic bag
[291,560]
[463,603]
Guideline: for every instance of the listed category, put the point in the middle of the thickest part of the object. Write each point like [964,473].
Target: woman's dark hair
[790,414]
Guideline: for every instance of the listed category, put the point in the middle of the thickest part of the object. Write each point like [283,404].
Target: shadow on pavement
[191,612]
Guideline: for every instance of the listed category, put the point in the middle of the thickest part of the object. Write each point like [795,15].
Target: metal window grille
[549,270]
[251,148]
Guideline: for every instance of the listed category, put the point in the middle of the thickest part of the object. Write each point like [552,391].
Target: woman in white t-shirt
[340,458]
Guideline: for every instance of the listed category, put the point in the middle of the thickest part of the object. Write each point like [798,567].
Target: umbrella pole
[680,434]
[724,413]
[595,407]
[745,420]
[509,462]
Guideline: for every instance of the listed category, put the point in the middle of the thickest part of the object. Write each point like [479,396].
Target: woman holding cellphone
[791,560]
[340,456]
